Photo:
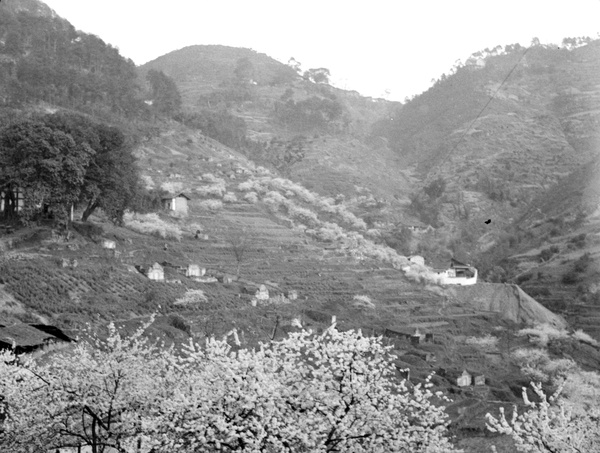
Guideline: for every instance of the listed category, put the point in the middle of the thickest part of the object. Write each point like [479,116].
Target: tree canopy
[58,160]
[45,164]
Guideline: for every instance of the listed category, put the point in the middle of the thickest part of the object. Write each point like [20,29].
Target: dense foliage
[44,58]
[56,161]
[306,393]
[549,426]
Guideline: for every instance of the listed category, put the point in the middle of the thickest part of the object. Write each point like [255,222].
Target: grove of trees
[56,161]
[307,393]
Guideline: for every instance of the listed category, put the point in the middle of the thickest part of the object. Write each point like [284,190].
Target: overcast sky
[370,46]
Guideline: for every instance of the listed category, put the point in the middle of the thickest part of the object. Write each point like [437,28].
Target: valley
[307,208]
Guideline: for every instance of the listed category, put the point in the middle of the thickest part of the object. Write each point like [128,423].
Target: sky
[380,48]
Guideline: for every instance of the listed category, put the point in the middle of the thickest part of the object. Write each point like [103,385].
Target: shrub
[582,263]
[251,197]
[172,187]
[151,224]
[523,278]
[179,323]
[538,366]
[543,333]
[584,337]
[214,190]
[488,342]
[192,296]
[210,205]
[362,301]
[246,186]
[570,278]
[548,253]
[579,240]
[229,197]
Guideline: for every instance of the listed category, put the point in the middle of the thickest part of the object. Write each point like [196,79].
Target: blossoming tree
[549,426]
[334,392]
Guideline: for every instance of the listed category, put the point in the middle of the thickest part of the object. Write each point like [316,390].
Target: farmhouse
[108,244]
[30,338]
[193,270]
[177,203]
[458,274]
[262,293]
[155,272]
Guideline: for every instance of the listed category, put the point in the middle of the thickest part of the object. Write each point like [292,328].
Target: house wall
[448,278]
[156,274]
[180,204]
[194,270]
[463,380]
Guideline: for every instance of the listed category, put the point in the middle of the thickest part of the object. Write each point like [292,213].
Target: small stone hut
[464,379]
[177,203]
[262,293]
[108,244]
[194,270]
[155,272]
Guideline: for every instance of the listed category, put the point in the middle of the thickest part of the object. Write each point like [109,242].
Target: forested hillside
[43,58]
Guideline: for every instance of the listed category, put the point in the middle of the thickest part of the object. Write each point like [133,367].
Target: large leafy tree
[47,165]
[308,393]
[112,179]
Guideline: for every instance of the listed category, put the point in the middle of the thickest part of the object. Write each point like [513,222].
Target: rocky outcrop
[508,300]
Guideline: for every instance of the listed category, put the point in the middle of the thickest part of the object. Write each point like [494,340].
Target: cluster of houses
[156,271]
[415,337]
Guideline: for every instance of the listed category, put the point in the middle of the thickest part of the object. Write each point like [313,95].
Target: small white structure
[417,259]
[262,293]
[108,244]
[177,203]
[193,270]
[156,272]
[464,379]
[292,294]
[458,274]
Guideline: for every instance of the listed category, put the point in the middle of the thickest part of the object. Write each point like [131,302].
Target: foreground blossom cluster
[549,425]
[307,393]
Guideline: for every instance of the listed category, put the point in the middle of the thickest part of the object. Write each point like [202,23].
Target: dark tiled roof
[27,335]
[23,335]
[170,197]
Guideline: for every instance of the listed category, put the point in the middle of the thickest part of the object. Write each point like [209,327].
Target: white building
[156,272]
[177,203]
[458,274]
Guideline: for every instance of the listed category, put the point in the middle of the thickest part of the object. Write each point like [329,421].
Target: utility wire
[484,107]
